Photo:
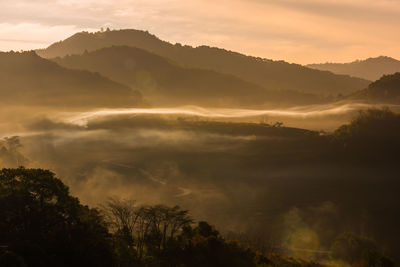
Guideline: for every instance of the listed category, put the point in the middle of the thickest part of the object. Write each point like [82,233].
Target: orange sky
[301,31]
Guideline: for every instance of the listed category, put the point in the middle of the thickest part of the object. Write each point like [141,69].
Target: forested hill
[29,79]
[273,75]
[166,83]
[384,90]
[370,69]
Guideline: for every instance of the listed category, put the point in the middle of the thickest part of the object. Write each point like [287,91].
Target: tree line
[42,225]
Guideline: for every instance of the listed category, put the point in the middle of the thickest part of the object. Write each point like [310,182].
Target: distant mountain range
[114,68]
[268,74]
[27,79]
[165,83]
[384,90]
[370,69]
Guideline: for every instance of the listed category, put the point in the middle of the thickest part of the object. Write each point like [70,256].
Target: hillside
[165,83]
[370,69]
[273,75]
[26,78]
[384,90]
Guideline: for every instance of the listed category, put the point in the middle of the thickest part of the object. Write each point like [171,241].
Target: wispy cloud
[28,36]
[298,31]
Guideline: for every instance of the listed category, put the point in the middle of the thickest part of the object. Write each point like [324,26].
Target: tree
[204,246]
[42,225]
[144,229]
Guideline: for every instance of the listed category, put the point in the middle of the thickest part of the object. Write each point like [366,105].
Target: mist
[120,149]
[228,166]
[325,117]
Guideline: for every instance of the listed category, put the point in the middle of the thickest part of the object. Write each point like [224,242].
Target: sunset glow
[306,31]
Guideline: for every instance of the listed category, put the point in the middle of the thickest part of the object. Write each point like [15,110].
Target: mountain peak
[380,59]
[271,75]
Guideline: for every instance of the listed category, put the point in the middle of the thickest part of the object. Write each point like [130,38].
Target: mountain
[370,69]
[384,90]
[165,83]
[26,78]
[272,75]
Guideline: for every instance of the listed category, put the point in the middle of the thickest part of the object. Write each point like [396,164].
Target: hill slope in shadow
[385,90]
[27,79]
[273,75]
[165,83]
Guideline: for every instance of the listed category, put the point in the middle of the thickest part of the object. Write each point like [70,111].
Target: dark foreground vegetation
[41,224]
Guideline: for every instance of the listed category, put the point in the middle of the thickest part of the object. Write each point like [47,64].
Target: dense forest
[43,225]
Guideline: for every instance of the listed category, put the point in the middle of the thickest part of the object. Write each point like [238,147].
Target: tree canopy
[43,225]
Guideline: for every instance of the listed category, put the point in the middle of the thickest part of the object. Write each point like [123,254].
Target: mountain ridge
[164,82]
[385,90]
[272,75]
[371,68]
[29,79]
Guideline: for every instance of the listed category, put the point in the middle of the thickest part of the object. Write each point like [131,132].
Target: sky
[298,31]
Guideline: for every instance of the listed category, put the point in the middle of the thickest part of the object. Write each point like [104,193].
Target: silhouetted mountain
[165,83]
[370,69]
[384,90]
[273,75]
[26,78]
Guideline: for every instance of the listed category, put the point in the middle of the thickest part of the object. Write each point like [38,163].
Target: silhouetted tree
[42,225]
[145,229]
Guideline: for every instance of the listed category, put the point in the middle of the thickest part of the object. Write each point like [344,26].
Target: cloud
[27,36]
[298,31]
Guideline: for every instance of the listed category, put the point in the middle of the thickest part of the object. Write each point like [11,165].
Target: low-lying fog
[314,117]
[263,180]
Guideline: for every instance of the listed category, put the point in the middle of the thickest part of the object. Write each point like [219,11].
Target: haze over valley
[121,148]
